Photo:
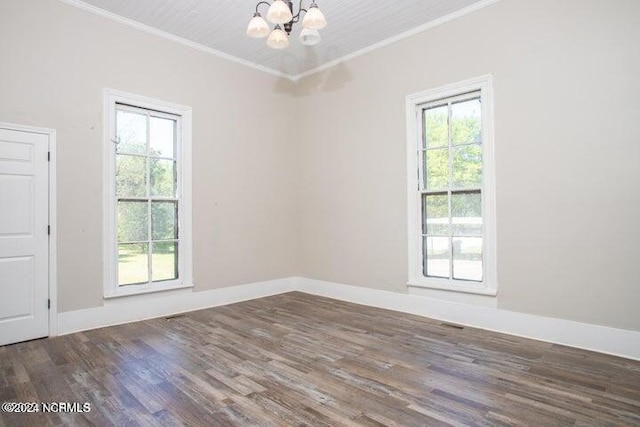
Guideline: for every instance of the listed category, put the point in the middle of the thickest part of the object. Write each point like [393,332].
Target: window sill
[451,286]
[145,289]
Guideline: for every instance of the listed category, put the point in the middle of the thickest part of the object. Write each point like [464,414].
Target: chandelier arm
[296,18]
[262,2]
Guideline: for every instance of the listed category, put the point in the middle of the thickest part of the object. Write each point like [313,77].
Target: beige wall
[56,61]
[567,124]
[327,199]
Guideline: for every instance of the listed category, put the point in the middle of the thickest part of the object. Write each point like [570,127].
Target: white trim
[124,310]
[602,339]
[27,128]
[53,236]
[146,102]
[460,297]
[185,217]
[398,37]
[414,102]
[126,291]
[171,37]
[294,78]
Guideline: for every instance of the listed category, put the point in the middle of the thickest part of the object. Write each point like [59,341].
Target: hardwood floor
[297,359]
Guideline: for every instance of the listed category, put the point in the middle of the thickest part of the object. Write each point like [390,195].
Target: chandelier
[281,12]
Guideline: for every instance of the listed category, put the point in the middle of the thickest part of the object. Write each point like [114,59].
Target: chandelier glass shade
[258,27]
[278,39]
[314,19]
[310,37]
[281,13]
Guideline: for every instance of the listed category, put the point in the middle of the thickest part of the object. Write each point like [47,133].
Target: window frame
[112,99]
[415,103]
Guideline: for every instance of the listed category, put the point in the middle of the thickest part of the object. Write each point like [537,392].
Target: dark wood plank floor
[297,359]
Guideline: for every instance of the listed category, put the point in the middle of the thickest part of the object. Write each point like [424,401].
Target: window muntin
[147,197]
[443,245]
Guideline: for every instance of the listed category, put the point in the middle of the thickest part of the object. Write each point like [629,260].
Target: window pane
[133,221]
[466,122]
[163,178]
[467,166]
[436,127]
[164,261]
[163,220]
[162,137]
[466,210]
[131,132]
[467,258]
[133,263]
[435,214]
[436,256]
[436,169]
[131,176]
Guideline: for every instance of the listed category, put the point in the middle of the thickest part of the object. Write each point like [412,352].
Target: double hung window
[148,197]
[451,189]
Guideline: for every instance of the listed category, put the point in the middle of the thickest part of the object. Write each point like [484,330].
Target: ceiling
[219,26]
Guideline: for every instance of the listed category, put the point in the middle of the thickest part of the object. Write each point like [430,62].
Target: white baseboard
[147,306]
[602,339]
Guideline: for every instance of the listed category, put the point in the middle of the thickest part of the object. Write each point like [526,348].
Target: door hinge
[49,304]
[48,156]
[49,230]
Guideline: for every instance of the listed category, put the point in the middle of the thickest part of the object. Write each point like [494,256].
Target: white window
[148,195]
[451,188]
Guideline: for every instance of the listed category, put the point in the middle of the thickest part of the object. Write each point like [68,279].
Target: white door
[24,240]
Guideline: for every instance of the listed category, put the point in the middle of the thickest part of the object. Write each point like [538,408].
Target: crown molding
[172,37]
[294,78]
[398,37]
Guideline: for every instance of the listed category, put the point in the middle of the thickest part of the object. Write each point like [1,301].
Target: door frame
[53,235]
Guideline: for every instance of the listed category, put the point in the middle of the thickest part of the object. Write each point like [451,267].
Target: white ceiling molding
[424,27]
[228,40]
[163,34]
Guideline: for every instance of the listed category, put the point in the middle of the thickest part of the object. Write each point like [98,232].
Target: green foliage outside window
[147,209]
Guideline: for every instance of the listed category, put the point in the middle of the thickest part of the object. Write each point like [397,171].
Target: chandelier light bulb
[309,37]
[278,39]
[314,19]
[279,12]
[258,27]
